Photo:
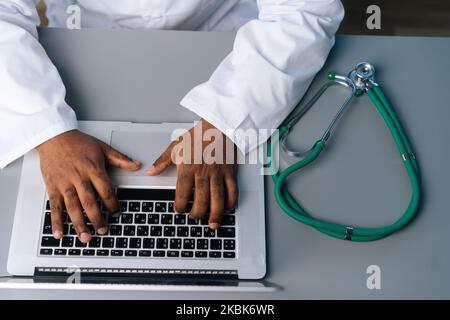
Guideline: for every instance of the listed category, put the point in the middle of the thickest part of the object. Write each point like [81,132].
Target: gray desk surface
[359,178]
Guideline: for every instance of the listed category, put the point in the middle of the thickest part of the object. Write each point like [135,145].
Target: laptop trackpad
[143,146]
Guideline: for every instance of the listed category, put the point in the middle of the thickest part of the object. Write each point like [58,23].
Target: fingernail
[57,234]
[213,225]
[85,237]
[151,169]
[102,230]
[116,214]
[137,162]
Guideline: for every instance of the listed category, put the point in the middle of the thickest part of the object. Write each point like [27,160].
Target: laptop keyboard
[148,227]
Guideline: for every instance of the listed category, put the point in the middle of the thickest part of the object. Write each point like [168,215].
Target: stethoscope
[359,81]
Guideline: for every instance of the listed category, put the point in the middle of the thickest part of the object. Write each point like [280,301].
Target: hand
[73,168]
[216,189]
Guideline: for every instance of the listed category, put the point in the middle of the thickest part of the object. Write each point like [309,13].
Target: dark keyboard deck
[148,227]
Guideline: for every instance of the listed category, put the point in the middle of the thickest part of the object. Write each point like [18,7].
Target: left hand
[214,179]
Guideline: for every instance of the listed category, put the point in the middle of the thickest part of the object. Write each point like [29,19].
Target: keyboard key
[115,230]
[148,243]
[233,211]
[74,252]
[189,206]
[189,244]
[192,221]
[95,242]
[145,253]
[216,244]
[72,230]
[153,219]
[134,206]
[60,252]
[162,243]
[155,231]
[131,253]
[204,221]
[135,243]
[215,254]
[47,205]
[91,229]
[102,252]
[226,232]
[123,206]
[228,220]
[182,231]
[142,231]
[49,242]
[171,207]
[46,252]
[159,253]
[209,233]
[47,230]
[121,242]
[65,229]
[201,254]
[140,218]
[228,245]
[67,242]
[127,218]
[187,254]
[180,218]
[80,244]
[47,219]
[160,207]
[108,242]
[147,206]
[196,231]
[116,253]
[173,254]
[88,252]
[112,219]
[145,194]
[166,219]
[202,244]
[169,231]
[175,243]
[228,254]
[129,230]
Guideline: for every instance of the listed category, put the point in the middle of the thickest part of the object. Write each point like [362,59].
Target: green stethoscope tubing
[289,205]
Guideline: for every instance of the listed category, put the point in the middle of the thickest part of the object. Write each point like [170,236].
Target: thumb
[118,159]
[162,163]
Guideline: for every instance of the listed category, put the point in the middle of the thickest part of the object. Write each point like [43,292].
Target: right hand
[73,167]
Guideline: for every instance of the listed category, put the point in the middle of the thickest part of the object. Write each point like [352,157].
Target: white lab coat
[279,47]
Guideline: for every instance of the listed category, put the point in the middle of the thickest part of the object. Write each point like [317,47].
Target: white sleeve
[32,94]
[273,61]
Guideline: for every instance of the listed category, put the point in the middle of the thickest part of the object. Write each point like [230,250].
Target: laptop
[149,243]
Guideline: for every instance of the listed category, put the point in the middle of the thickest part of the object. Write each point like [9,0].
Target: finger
[118,159]
[88,200]
[232,191]
[75,212]
[217,201]
[201,197]
[183,193]
[56,208]
[105,191]
[162,163]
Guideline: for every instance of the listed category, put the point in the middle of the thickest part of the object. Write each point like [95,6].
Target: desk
[358,179]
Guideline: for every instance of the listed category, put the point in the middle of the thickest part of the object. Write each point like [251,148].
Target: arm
[34,114]
[273,61]
[32,105]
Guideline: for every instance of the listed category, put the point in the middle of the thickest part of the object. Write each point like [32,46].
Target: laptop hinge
[129,275]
